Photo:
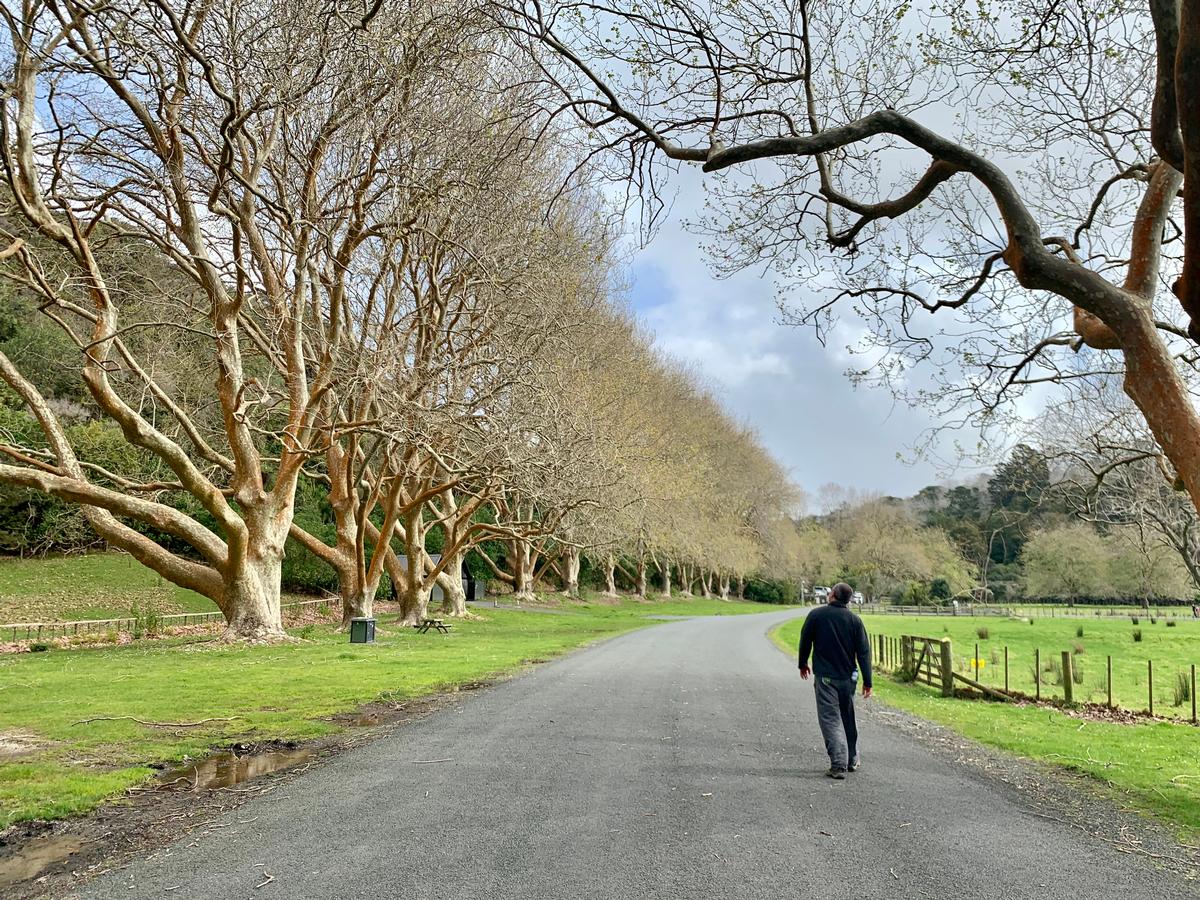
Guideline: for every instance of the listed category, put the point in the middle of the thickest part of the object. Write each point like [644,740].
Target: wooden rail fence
[930,661]
[45,630]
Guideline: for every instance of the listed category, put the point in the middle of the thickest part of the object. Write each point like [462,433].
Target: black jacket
[837,640]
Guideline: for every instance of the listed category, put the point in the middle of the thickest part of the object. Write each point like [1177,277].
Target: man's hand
[804,672]
[867,692]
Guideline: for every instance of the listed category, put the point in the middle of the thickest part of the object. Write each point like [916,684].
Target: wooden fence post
[1068,667]
[1150,682]
[947,669]
[1037,674]
[1193,693]
[906,654]
[1006,668]
[1110,681]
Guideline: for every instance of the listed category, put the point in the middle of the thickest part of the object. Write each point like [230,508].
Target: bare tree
[211,136]
[810,98]
[1113,475]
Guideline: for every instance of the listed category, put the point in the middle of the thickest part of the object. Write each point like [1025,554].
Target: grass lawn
[282,692]
[93,586]
[1155,765]
[1173,650]
[1060,610]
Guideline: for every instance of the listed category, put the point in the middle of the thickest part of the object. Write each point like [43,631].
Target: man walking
[837,640]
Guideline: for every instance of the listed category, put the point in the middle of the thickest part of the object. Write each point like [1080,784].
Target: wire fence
[1042,610]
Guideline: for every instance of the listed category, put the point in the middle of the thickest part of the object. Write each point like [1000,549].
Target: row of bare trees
[311,241]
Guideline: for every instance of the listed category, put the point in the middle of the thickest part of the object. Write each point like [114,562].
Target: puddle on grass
[31,860]
[227,769]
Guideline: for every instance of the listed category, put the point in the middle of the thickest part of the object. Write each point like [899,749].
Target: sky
[777,378]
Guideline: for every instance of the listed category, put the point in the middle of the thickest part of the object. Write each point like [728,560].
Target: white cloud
[779,379]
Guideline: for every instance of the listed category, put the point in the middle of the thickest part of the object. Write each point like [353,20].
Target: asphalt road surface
[681,761]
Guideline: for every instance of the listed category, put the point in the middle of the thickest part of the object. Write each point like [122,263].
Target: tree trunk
[414,604]
[1155,386]
[571,565]
[666,580]
[724,586]
[706,584]
[641,576]
[686,579]
[610,576]
[523,572]
[741,591]
[251,601]
[356,606]
[454,602]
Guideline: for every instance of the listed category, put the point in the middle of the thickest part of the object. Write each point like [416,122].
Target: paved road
[681,761]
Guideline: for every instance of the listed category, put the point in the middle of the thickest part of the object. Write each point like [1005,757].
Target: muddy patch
[15,744]
[387,712]
[35,857]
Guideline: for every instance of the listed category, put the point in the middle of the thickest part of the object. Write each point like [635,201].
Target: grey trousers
[835,714]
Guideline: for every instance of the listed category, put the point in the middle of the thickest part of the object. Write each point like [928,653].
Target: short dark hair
[842,592]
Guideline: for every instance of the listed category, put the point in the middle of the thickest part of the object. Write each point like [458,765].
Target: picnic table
[427,624]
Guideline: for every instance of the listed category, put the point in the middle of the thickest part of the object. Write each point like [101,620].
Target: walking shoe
[839,774]
[854,765]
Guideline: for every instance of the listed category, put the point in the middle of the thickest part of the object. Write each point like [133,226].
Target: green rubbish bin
[362,631]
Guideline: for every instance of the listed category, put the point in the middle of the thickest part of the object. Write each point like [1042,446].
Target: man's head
[841,593]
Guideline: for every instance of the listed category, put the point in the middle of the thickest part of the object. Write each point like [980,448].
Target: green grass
[282,692]
[93,586]
[1060,610]
[1154,765]
[1173,651]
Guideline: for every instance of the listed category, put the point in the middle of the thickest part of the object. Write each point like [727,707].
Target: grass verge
[51,767]
[1154,765]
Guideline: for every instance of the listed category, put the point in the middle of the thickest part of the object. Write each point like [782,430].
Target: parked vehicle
[820,593]
[857,598]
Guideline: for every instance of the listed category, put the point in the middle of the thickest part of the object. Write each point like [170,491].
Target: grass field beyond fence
[1173,650]
[1153,764]
[91,586]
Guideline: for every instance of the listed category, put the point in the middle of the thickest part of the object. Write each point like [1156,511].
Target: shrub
[1052,666]
[1137,635]
[1182,689]
[38,648]
[1171,623]
[306,633]
[1079,632]
[146,620]
[982,633]
[1153,620]
[1077,648]
[1136,620]
[1077,673]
